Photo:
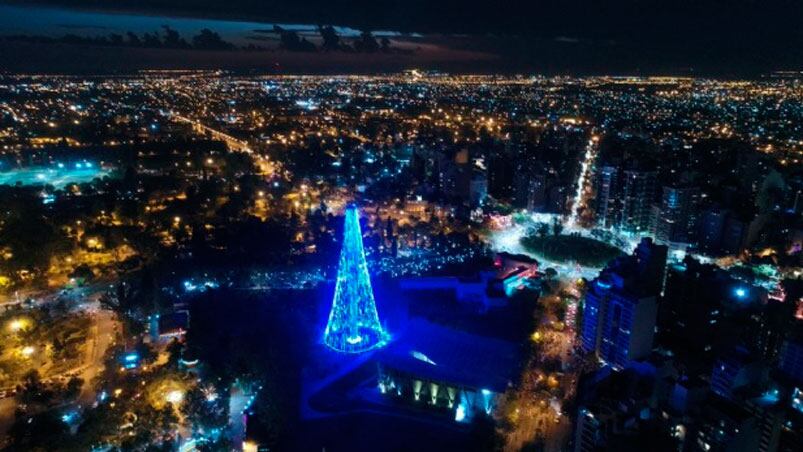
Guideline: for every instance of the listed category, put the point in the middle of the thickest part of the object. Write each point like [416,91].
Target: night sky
[720,37]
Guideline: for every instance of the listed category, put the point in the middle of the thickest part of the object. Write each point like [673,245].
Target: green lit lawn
[571,248]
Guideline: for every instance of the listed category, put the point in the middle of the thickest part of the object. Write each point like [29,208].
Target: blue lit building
[450,371]
[620,308]
[735,369]
[353,325]
[595,300]
[618,326]
[589,431]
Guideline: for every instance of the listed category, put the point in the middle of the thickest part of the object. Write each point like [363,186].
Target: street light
[175,396]
[17,325]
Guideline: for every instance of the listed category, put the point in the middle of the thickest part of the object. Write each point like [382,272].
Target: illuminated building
[734,369]
[448,370]
[620,309]
[489,288]
[169,326]
[606,199]
[637,192]
[624,198]
[353,325]
[618,325]
[587,431]
[675,219]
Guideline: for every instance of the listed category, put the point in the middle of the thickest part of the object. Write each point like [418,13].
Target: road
[233,143]
[101,337]
[583,189]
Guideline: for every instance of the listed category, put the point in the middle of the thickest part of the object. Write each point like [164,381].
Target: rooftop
[444,354]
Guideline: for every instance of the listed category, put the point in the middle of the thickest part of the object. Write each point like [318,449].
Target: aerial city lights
[184,265]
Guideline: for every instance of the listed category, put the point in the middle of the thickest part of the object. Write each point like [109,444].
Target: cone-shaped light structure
[353,325]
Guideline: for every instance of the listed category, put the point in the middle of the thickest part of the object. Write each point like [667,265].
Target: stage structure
[353,325]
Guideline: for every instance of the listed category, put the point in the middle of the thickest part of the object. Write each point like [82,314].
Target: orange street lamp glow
[17,324]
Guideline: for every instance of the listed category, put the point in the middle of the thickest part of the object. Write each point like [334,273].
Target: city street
[102,335]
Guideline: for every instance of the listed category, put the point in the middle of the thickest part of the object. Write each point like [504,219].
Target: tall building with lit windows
[617,325]
[607,194]
[624,198]
[675,219]
[638,188]
[620,306]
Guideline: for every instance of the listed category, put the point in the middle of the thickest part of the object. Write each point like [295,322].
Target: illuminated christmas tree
[353,325]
